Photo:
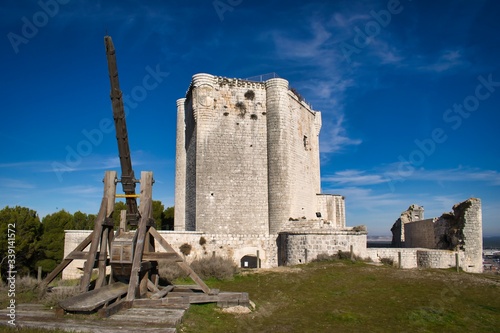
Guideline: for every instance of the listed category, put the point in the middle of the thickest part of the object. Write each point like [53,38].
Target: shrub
[57,294]
[170,270]
[215,267]
[203,241]
[359,228]
[387,261]
[325,257]
[185,249]
[344,255]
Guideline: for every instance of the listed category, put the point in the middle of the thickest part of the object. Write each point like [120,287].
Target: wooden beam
[102,258]
[162,292]
[89,264]
[161,255]
[105,211]
[192,274]
[139,248]
[162,241]
[69,258]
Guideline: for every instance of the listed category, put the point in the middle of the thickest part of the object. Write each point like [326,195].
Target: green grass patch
[342,296]
[345,296]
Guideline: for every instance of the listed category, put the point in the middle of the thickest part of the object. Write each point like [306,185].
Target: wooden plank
[141,234]
[161,255]
[59,268]
[152,287]
[194,276]
[102,258]
[93,299]
[114,308]
[161,293]
[105,211]
[162,241]
[77,255]
[123,220]
[89,264]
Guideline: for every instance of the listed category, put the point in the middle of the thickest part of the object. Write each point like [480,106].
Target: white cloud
[354,178]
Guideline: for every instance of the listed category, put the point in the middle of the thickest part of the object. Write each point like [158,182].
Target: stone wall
[300,247]
[72,238]
[420,234]
[459,230]
[332,209]
[409,258]
[233,246]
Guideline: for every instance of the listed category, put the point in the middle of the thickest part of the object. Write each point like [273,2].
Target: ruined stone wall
[304,247]
[420,234]
[418,257]
[473,235]
[459,230]
[413,213]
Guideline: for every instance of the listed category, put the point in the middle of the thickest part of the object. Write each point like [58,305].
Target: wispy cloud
[335,137]
[355,178]
[389,173]
[16,183]
[459,174]
[319,57]
[447,60]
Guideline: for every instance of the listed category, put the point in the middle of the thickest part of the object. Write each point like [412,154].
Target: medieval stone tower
[247,159]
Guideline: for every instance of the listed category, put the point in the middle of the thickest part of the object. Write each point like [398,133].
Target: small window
[306,143]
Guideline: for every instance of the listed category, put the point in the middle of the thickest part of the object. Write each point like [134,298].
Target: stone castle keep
[247,187]
[248,159]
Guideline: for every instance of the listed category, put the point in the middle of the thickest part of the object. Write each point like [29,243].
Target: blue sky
[409,92]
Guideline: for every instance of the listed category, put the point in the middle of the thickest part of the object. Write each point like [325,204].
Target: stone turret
[180,169]
[278,140]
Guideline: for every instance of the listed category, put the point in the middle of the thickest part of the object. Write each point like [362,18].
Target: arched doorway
[249,261]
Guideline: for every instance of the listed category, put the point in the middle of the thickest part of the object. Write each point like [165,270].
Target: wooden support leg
[103,256]
[89,264]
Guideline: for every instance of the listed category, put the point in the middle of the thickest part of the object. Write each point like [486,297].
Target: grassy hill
[355,297]
[345,296]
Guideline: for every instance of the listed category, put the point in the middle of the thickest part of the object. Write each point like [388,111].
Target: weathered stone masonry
[437,241]
[247,157]
[248,163]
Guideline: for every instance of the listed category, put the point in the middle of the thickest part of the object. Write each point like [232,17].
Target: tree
[158,213]
[52,240]
[82,221]
[27,228]
[168,222]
